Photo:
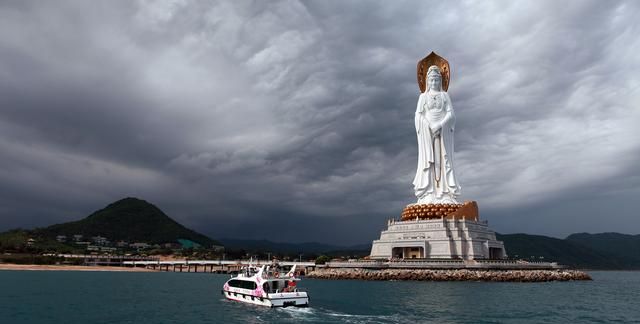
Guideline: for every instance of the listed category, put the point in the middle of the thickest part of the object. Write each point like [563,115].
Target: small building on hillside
[100,240]
[93,248]
[139,245]
[217,248]
[173,246]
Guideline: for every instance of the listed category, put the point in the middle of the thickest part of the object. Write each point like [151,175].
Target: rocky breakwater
[449,275]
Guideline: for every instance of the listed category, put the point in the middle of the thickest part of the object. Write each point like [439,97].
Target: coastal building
[93,248]
[108,249]
[139,245]
[217,248]
[173,246]
[100,240]
[77,237]
[61,238]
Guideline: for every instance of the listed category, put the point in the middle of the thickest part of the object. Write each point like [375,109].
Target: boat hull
[297,299]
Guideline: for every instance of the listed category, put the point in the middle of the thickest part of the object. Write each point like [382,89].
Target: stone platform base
[437,239]
[450,275]
[438,231]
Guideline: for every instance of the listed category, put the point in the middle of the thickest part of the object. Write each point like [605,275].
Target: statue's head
[434,78]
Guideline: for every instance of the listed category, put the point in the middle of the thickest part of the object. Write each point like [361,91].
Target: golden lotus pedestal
[468,211]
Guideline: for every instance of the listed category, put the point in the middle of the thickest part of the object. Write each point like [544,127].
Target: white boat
[266,286]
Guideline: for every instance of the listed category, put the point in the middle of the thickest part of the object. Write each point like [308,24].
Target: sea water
[167,297]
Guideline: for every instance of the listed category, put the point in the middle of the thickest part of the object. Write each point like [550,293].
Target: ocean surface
[166,297]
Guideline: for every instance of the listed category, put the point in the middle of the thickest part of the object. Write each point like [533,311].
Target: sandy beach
[38,267]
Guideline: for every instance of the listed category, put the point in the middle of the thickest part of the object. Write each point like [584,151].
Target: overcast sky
[293,121]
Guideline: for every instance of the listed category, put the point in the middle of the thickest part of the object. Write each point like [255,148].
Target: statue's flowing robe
[426,188]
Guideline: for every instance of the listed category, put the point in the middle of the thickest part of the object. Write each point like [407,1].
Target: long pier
[233,266]
[210,266]
[103,260]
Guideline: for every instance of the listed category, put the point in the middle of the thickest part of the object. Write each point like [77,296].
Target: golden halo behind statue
[423,67]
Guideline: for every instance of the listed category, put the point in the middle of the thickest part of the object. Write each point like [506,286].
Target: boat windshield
[275,271]
[249,271]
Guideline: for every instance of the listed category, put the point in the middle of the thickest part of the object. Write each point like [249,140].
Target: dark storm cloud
[245,118]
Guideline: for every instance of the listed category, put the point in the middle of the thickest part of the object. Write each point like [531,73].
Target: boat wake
[314,314]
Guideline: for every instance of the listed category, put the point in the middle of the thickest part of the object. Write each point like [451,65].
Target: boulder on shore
[449,275]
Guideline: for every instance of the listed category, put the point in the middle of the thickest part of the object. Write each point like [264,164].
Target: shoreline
[47,267]
[449,275]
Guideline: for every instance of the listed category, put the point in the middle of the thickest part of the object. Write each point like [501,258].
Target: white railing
[100,256]
[356,264]
[439,264]
[214,262]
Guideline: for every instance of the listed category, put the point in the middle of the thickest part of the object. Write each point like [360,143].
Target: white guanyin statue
[435,181]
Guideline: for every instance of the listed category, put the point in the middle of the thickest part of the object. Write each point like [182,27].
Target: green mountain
[619,246]
[544,248]
[131,220]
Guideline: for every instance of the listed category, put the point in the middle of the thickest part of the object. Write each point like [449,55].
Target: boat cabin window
[242,284]
[270,286]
